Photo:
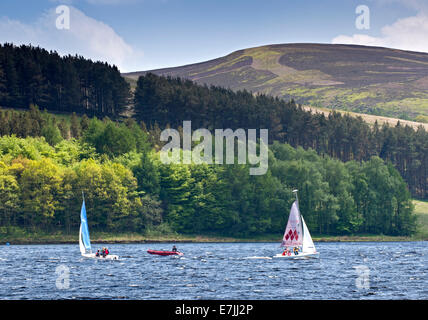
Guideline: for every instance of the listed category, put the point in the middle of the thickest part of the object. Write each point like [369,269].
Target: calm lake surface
[354,270]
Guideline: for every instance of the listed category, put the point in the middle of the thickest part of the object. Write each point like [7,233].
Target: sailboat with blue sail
[84,239]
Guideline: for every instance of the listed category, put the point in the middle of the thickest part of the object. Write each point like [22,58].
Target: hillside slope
[370,119]
[363,79]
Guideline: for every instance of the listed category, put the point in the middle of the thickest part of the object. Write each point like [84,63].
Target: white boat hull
[301,255]
[107,257]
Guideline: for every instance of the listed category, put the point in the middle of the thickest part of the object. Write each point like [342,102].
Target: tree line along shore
[353,178]
[128,189]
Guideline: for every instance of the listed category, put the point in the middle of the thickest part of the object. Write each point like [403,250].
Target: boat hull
[165,253]
[302,255]
[107,257]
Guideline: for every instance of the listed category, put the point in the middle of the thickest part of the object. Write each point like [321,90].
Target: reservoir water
[345,270]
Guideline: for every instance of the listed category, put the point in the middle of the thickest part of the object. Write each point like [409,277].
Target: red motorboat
[164,252]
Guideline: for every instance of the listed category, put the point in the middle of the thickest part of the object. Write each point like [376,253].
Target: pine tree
[84,122]
[75,128]
[3,87]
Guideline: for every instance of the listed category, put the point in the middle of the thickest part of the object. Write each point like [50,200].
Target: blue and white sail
[84,241]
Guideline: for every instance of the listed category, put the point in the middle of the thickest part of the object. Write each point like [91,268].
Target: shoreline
[197,239]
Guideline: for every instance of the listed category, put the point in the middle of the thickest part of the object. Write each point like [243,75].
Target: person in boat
[106,251]
[296,251]
[98,253]
[174,248]
[285,252]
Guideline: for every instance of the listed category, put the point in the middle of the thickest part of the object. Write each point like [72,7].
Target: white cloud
[408,33]
[359,39]
[87,37]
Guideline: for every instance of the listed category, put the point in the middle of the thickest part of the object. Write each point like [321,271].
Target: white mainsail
[293,232]
[297,235]
[81,246]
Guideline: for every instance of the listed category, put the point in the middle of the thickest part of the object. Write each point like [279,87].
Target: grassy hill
[370,119]
[363,79]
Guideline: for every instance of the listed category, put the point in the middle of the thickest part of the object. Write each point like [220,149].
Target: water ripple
[217,271]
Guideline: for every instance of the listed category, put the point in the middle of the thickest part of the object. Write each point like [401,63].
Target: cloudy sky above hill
[147,34]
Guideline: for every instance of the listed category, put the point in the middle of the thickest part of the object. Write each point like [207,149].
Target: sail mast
[295,192]
[300,214]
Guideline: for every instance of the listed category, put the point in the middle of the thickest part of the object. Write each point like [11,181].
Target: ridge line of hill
[362,79]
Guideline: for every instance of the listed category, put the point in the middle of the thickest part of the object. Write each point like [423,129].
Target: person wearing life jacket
[285,252]
[98,253]
[296,251]
[106,251]
[174,248]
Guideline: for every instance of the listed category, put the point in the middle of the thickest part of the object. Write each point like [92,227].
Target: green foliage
[32,75]
[165,101]
[9,199]
[147,173]
[41,185]
[51,133]
[127,188]
[114,139]
[30,148]
[40,188]
[421,212]
[422,118]
[161,230]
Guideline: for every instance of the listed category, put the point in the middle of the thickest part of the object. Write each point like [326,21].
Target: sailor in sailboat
[105,252]
[286,252]
[296,251]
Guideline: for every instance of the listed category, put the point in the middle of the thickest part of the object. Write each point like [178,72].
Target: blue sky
[148,34]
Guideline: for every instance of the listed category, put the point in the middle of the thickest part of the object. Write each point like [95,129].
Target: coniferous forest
[31,75]
[169,101]
[352,177]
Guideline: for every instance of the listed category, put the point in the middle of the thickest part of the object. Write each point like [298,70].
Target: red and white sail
[293,232]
